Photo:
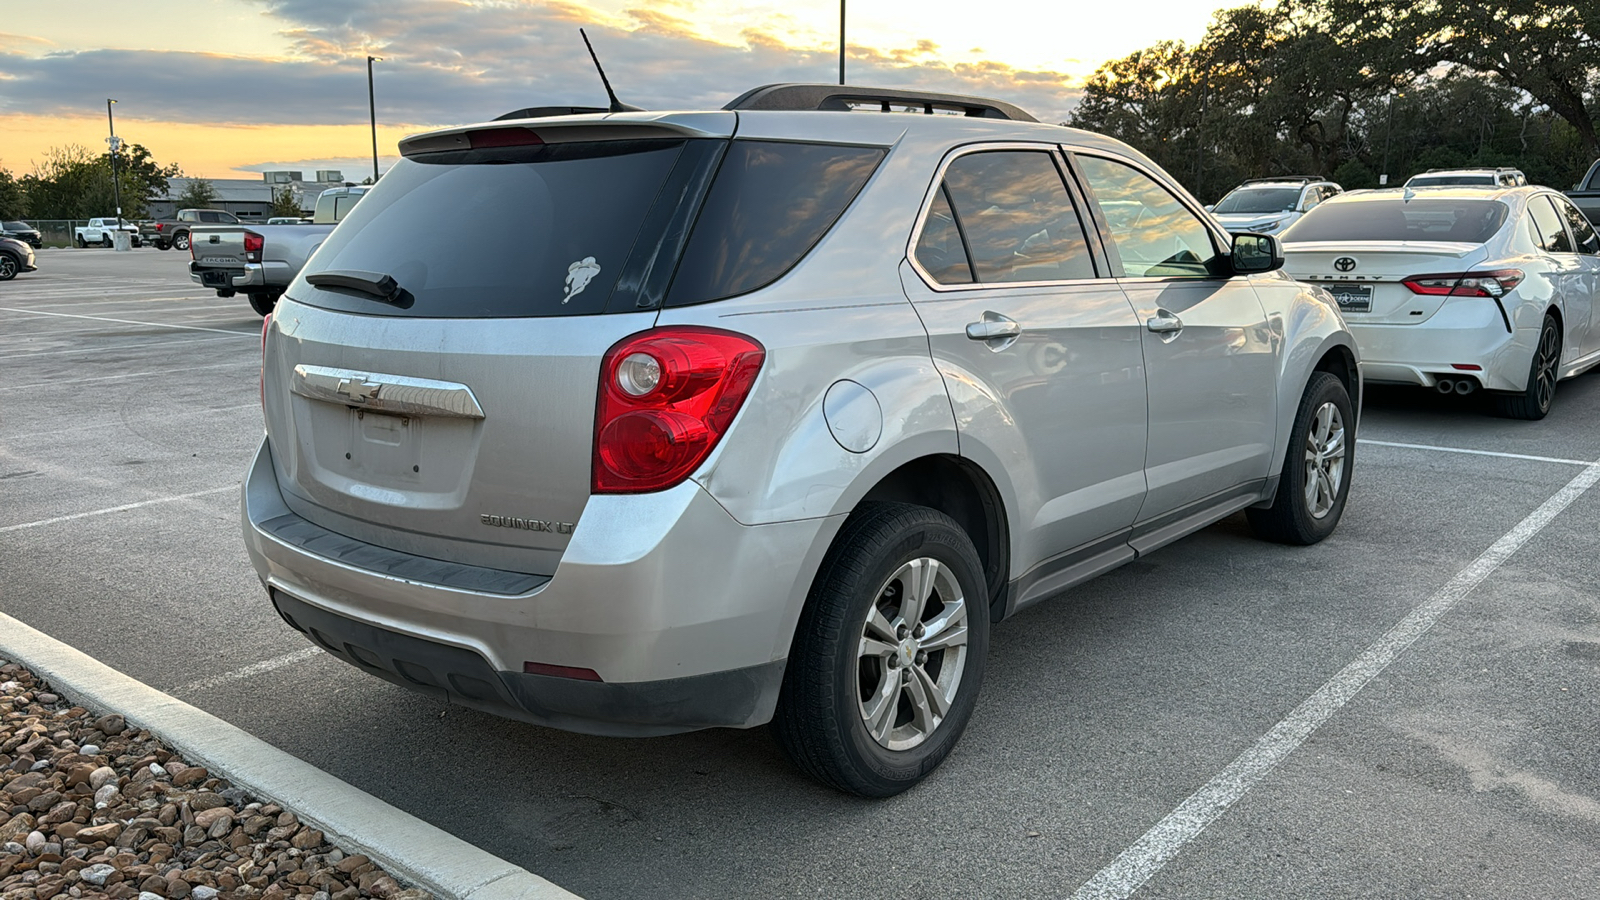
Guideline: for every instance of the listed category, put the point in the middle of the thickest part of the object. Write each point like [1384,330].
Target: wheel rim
[1545,367]
[912,654]
[8,267]
[182,243]
[1325,456]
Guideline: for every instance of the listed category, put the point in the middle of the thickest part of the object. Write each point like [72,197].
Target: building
[248,198]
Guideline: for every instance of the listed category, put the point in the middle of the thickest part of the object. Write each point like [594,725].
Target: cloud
[452,61]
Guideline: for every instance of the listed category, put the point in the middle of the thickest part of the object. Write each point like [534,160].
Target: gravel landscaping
[92,808]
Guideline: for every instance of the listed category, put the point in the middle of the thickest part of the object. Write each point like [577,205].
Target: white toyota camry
[1460,288]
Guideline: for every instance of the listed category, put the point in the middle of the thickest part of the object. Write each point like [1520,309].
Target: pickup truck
[99,231]
[174,231]
[259,261]
[1587,194]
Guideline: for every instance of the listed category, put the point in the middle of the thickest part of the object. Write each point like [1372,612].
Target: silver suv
[641,423]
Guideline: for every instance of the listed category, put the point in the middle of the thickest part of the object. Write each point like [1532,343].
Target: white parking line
[18,387]
[122,508]
[266,665]
[1549,459]
[29,312]
[1160,844]
[34,354]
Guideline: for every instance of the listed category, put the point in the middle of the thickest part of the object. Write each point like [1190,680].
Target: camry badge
[1345,264]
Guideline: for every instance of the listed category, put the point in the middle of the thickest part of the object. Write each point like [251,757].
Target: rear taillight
[266,322]
[666,398]
[252,246]
[1497,283]
[160,226]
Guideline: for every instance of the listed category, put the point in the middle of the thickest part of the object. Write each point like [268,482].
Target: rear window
[771,203]
[1398,219]
[1450,180]
[1259,200]
[544,230]
[15,226]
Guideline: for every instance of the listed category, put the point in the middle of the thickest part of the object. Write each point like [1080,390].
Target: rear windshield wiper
[373,284]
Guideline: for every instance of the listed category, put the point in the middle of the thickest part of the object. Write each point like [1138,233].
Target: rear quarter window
[770,204]
[1398,219]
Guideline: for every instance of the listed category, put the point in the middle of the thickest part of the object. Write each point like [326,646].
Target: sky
[229,88]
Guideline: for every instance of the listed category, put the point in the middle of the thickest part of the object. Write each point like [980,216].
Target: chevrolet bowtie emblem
[360,391]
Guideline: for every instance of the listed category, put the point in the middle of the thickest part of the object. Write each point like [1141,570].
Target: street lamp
[114,141]
[372,107]
[1388,137]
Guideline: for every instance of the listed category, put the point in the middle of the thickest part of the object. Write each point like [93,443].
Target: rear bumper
[1467,332]
[272,276]
[682,611]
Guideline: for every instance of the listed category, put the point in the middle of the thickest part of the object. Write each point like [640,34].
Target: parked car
[1586,196]
[1501,177]
[99,231]
[260,260]
[23,232]
[173,232]
[16,257]
[1460,288]
[673,428]
[1269,205]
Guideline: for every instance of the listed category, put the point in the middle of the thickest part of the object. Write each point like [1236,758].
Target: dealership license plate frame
[1352,297]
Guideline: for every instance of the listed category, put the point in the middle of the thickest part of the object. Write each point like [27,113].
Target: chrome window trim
[923,209]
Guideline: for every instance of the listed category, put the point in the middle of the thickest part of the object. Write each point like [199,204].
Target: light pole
[1388,138]
[841,41]
[116,189]
[372,108]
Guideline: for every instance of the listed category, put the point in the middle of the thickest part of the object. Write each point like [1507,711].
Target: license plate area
[385,448]
[1352,297]
[214,278]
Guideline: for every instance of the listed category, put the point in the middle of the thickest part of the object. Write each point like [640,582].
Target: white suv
[1499,178]
[1270,205]
[639,423]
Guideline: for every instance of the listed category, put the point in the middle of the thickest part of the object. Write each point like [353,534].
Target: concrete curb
[356,821]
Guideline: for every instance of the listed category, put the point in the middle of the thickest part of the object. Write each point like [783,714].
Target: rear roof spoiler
[844,98]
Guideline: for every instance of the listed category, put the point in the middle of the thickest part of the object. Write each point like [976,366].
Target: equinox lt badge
[526,524]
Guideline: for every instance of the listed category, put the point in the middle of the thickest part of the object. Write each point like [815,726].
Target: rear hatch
[454,419]
[1363,247]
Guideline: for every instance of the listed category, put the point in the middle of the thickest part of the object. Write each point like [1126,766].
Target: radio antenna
[616,105]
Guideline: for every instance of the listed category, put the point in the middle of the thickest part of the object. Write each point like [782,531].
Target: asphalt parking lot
[1465,765]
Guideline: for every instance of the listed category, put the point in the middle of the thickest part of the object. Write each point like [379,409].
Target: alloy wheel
[1325,457]
[912,654]
[8,268]
[1545,369]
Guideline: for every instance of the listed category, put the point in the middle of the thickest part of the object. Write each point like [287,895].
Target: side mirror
[1210,207]
[1256,253]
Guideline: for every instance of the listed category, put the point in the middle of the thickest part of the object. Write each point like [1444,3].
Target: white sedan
[1460,288]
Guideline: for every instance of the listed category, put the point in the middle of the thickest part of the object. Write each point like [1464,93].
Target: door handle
[1164,322]
[994,326]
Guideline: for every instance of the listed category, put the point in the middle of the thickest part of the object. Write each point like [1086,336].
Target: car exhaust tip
[1445,386]
[1466,386]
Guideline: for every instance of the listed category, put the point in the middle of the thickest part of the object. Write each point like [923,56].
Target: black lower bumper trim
[738,698]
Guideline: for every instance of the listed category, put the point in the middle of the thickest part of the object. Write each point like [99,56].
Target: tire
[1534,401]
[163,245]
[263,303]
[9,266]
[1321,457]
[105,239]
[181,240]
[78,239]
[842,668]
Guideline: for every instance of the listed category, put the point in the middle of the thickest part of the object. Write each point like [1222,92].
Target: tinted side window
[1017,217]
[1552,235]
[940,249]
[1156,236]
[210,217]
[1312,198]
[770,204]
[1582,232]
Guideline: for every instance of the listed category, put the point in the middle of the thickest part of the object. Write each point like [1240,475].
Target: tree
[283,202]
[73,183]
[13,199]
[197,194]
[141,177]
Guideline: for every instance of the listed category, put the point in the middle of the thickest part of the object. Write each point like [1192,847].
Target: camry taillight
[666,398]
[1497,283]
[266,322]
[252,246]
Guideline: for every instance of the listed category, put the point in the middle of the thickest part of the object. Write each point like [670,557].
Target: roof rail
[1300,179]
[540,112]
[1475,169]
[841,97]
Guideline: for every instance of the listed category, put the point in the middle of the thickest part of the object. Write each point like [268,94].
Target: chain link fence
[58,232]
